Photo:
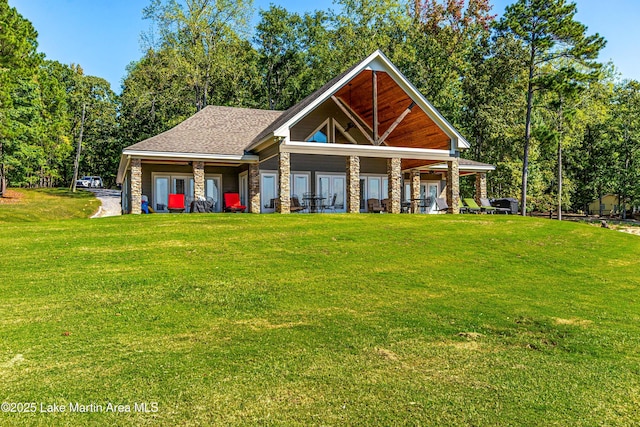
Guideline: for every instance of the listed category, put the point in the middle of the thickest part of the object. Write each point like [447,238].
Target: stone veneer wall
[284,170]
[198,180]
[481,187]
[453,187]
[415,191]
[254,188]
[353,184]
[136,186]
[394,170]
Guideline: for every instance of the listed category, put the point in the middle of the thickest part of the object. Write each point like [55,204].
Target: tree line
[526,89]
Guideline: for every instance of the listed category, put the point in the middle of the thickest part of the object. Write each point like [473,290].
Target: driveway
[110,202]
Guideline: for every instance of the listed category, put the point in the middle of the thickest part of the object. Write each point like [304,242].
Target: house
[366,134]
[609,204]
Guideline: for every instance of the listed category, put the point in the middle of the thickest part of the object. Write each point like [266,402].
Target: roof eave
[163,155]
[463,168]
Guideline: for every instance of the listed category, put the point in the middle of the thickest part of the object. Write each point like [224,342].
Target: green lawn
[321,320]
[46,204]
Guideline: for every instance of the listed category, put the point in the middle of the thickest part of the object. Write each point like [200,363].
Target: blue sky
[103,36]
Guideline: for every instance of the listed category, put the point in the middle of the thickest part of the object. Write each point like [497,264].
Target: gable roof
[299,107]
[376,61]
[214,129]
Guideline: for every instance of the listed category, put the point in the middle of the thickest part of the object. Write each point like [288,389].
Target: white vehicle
[89,182]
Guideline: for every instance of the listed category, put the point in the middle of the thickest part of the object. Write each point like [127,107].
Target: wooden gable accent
[415,129]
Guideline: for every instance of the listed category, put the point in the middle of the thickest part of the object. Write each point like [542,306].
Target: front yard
[321,320]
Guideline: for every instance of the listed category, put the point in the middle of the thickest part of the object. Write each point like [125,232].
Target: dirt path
[110,202]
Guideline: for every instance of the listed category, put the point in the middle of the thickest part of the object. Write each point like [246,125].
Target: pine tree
[547,29]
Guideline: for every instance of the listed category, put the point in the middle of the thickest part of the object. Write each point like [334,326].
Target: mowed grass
[44,204]
[321,320]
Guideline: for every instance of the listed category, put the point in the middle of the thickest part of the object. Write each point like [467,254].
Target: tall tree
[547,29]
[626,139]
[18,64]
[203,39]
[445,35]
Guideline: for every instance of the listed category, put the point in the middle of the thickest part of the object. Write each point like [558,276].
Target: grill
[507,203]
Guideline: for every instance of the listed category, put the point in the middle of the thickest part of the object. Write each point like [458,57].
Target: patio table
[314,203]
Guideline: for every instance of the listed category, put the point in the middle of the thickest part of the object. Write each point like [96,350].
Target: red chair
[176,203]
[232,203]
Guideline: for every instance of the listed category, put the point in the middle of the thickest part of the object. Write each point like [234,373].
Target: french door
[328,186]
[268,191]
[373,187]
[243,180]
[429,189]
[299,185]
[212,191]
[163,185]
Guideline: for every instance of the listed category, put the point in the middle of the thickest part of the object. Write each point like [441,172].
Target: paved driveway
[110,202]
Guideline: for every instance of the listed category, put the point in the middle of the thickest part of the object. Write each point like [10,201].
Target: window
[321,134]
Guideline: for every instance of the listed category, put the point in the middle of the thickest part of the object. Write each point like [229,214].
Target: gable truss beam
[374,98]
[396,123]
[347,113]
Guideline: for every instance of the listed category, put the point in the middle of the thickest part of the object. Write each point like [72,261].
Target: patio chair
[232,203]
[373,205]
[295,205]
[332,203]
[441,205]
[486,204]
[386,206]
[471,206]
[176,203]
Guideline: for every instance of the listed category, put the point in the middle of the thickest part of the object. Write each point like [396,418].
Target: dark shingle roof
[212,130]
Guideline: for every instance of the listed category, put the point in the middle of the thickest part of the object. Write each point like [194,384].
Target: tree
[626,139]
[201,37]
[547,30]
[19,61]
[279,41]
[446,35]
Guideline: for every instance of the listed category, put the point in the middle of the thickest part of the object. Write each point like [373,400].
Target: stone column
[198,180]
[254,188]
[284,170]
[394,171]
[453,187]
[136,186]
[481,187]
[415,191]
[353,184]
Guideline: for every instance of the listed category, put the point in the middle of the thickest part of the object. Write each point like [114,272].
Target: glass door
[161,193]
[433,190]
[299,185]
[212,185]
[268,191]
[330,186]
[243,180]
[373,187]
[183,185]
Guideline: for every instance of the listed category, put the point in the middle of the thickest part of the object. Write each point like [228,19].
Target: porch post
[481,187]
[415,191]
[453,187]
[394,170]
[198,180]
[284,170]
[254,188]
[353,184]
[136,186]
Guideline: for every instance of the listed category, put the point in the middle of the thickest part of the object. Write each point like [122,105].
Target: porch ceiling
[416,130]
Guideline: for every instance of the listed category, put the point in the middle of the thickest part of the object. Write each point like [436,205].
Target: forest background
[526,89]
